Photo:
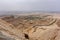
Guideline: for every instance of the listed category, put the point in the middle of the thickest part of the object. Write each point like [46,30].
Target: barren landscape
[30,27]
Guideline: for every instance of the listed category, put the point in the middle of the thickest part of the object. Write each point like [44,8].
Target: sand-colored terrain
[30,27]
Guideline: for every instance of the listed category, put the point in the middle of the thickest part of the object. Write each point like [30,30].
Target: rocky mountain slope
[30,27]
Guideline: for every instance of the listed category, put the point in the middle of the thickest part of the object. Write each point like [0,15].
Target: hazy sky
[29,5]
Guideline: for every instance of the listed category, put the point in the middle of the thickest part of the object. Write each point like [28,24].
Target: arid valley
[30,27]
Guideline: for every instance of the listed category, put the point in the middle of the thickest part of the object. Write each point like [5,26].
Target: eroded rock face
[32,27]
[58,23]
[4,37]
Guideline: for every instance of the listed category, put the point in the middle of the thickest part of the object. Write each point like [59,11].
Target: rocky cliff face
[30,27]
